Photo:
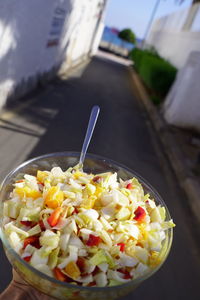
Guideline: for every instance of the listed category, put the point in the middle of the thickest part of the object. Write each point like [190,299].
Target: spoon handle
[92,122]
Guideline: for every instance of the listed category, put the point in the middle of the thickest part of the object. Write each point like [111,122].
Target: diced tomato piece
[41,186]
[96,270]
[59,274]
[93,283]
[139,214]
[96,179]
[27,258]
[129,186]
[26,223]
[93,240]
[122,246]
[127,275]
[21,180]
[33,241]
[41,223]
[54,217]
[81,264]
[75,211]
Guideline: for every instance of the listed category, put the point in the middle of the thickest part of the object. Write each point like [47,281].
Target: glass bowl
[51,286]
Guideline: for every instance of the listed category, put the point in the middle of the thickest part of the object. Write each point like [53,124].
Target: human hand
[19,289]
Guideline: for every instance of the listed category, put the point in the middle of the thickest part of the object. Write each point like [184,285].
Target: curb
[186,180]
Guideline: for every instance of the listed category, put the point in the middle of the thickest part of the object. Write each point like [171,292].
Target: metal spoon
[92,122]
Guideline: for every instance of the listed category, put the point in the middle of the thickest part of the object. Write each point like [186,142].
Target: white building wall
[175,36]
[37,36]
[182,105]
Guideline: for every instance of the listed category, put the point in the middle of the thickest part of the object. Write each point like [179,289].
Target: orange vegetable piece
[54,217]
[54,197]
[59,275]
[72,270]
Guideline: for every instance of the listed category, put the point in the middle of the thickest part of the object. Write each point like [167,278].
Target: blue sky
[135,14]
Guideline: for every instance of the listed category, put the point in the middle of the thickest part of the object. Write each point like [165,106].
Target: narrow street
[55,119]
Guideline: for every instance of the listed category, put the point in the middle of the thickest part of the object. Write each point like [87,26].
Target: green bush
[157,73]
[136,55]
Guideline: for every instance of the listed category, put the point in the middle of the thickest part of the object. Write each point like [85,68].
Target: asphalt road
[56,119]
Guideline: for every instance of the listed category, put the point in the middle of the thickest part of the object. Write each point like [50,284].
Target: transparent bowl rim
[65,284]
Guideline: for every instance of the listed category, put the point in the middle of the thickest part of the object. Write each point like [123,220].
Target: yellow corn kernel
[41,176]
[54,197]
[27,192]
[72,270]
[88,202]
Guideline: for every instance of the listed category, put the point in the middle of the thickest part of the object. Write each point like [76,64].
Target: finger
[17,278]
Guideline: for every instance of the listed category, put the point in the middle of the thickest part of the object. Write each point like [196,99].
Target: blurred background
[140,62]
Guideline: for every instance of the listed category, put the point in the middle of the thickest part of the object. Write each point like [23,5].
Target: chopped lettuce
[34,230]
[53,258]
[102,256]
[118,276]
[101,279]
[37,258]
[15,241]
[49,239]
[9,228]
[12,208]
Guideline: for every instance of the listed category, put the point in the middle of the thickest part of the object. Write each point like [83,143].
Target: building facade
[37,38]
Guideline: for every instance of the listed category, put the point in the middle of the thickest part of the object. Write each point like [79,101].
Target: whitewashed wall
[38,36]
[182,105]
[176,35]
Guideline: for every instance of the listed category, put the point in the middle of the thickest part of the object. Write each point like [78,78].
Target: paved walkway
[56,120]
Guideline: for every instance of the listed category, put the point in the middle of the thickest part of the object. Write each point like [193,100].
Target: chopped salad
[85,229]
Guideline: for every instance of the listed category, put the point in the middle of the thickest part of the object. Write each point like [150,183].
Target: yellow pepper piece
[41,176]
[144,233]
[98,191]
[89,202]
[154,259]
[77,174]
[54,197]
[72,270]
[27,192]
